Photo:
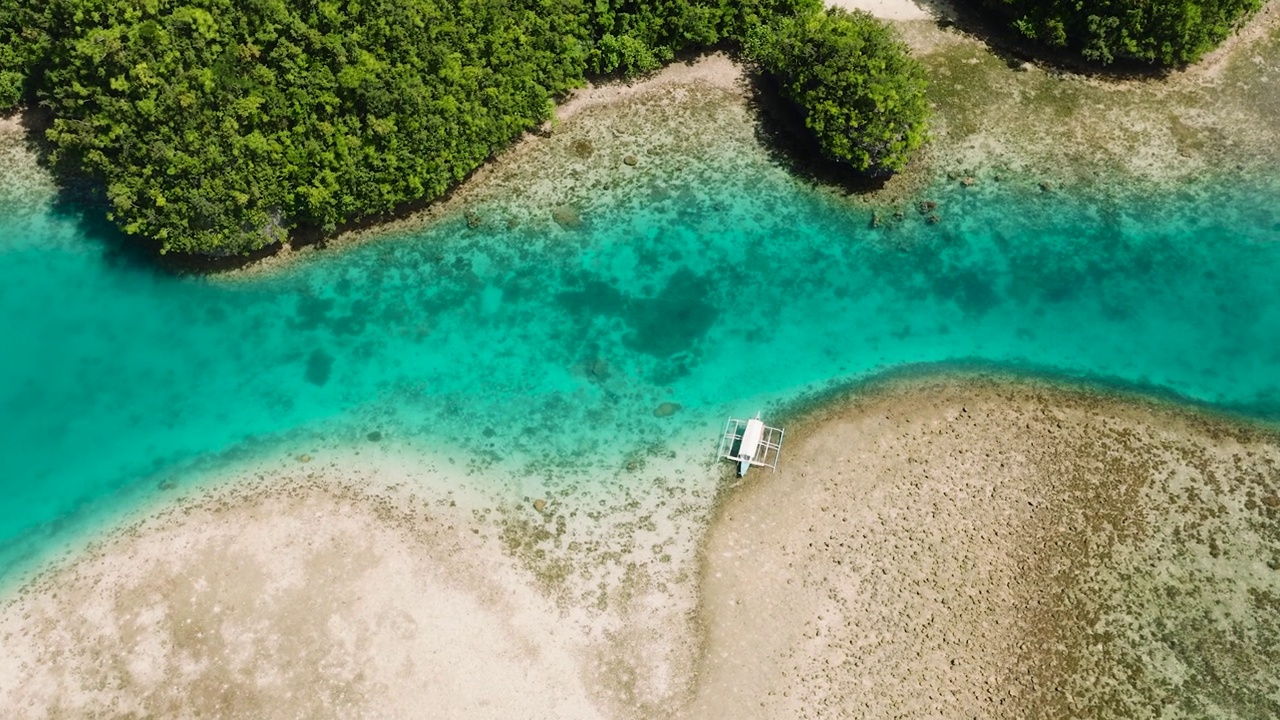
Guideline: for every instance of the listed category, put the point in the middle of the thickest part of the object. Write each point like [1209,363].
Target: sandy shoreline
[932,547]
[989,549]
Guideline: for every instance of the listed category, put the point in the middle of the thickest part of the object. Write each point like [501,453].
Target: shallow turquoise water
[554,346]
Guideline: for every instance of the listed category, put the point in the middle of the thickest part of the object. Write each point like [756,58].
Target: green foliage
[862,94]
[1165,32]
[23,42]
[218,126]
[635,36]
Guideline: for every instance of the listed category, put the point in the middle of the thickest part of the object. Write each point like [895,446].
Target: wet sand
[316,589]
[972,547]
[981,548]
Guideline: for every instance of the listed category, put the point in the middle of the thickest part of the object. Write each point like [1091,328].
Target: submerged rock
[319,367]
[630,159]
[566,216]
[667,409]
[539,504]
[598,369]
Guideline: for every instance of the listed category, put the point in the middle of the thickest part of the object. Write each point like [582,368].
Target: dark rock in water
[167,485]
[630,159]
[599,369]
[488,432]
[473,219]
[875,220]
[899,215]
[927,206]
[1046,186]
[934,219]
[583,148]
[667,409]
[1271,500]
[566,216]
[374,436]
[319,367]
[304,458]
[539,504]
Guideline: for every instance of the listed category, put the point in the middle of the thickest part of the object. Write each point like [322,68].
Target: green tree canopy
[219,126]
[1165,32]
[862,94]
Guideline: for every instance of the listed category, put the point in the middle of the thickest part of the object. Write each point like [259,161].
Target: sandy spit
[313,594]
[986,549]
[937,548]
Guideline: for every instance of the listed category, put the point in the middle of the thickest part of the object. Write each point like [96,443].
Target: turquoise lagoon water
[552,346]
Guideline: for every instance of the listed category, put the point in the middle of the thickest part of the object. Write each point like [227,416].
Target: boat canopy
[751,442]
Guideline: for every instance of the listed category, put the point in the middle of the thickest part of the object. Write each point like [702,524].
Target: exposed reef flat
[1001,114]
[970,547]
[373,581]
[986,549]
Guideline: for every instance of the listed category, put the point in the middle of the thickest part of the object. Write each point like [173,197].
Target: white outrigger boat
[751,442]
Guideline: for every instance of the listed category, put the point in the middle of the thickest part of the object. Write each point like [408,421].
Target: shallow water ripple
[553,344]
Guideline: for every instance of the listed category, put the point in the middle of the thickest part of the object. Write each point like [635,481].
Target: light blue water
[555,346]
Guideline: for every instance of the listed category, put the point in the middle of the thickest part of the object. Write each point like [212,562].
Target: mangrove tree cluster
[1164,32]
[220,126]
[861,92]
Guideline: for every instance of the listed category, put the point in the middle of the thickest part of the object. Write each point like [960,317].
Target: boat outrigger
[751,442]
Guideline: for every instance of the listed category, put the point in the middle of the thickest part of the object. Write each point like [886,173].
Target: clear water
[551,345]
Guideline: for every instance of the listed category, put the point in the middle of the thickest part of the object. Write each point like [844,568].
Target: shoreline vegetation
[225,127]
[224,130]
[994,120]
